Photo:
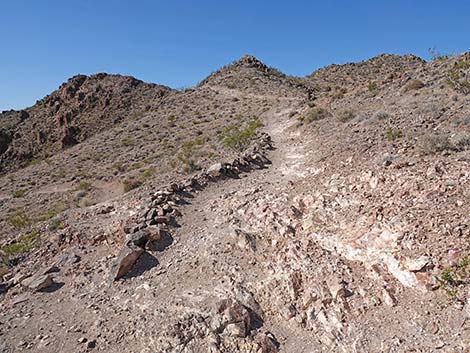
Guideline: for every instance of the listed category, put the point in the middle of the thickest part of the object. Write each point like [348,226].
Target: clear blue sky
[178,43]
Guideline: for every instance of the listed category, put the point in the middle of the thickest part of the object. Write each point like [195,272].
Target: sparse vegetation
[373,87]
[55,224]
[19,219]
[346,115]
[458,77]
[430,144]
[460,141]
[381,115]
[314,114]
[437,55]
[24,244]
[84,185]
[238,137]
[131,184]
[128,141]
[52,212]
[393,134]
[134,182]
[19,193]
[453,277]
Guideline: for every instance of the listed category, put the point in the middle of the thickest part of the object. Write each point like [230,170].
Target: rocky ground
[339,225]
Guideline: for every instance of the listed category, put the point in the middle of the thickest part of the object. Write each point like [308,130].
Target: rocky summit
[256,212]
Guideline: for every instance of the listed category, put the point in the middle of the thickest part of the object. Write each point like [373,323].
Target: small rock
[388,297]
[38,283]
[215,170]
[417,264]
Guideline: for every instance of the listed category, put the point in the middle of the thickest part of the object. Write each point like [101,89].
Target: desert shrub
[381,115]
[413,85]
[19,219]
[171,118]
[460,141]
[346,115]
[34,162]
[119,166]
[24,244]
[373,87]
[237,137]
[187,152]
[86,202]
[437,55]
[461,122]
[393,134]
[314,114]
[128,141]
[146,174]
[52,212]
[19,193]
[84,185]
[452,278]
[136,165]
[55,224]
[458,77]
[430,144]
[131,184]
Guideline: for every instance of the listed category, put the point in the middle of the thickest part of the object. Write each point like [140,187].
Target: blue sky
[178,43]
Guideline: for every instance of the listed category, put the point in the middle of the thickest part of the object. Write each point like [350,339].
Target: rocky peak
[250,61]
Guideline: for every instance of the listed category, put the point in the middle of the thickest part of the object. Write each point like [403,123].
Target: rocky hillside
[256,212]
[79,109]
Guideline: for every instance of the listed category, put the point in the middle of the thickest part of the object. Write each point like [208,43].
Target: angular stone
[235,317]
[418,264]
[130,253]
[38,283]
[163,219]
[215,170]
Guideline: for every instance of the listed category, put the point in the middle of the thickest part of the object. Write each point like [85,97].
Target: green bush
[393,134]
[373,87]
[24,244]
[19,193]
[237,137]
[19,219]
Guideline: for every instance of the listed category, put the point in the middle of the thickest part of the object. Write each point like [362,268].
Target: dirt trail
[318,292]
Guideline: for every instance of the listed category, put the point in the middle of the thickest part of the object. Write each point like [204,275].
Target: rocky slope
[340,224]
[79,109]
